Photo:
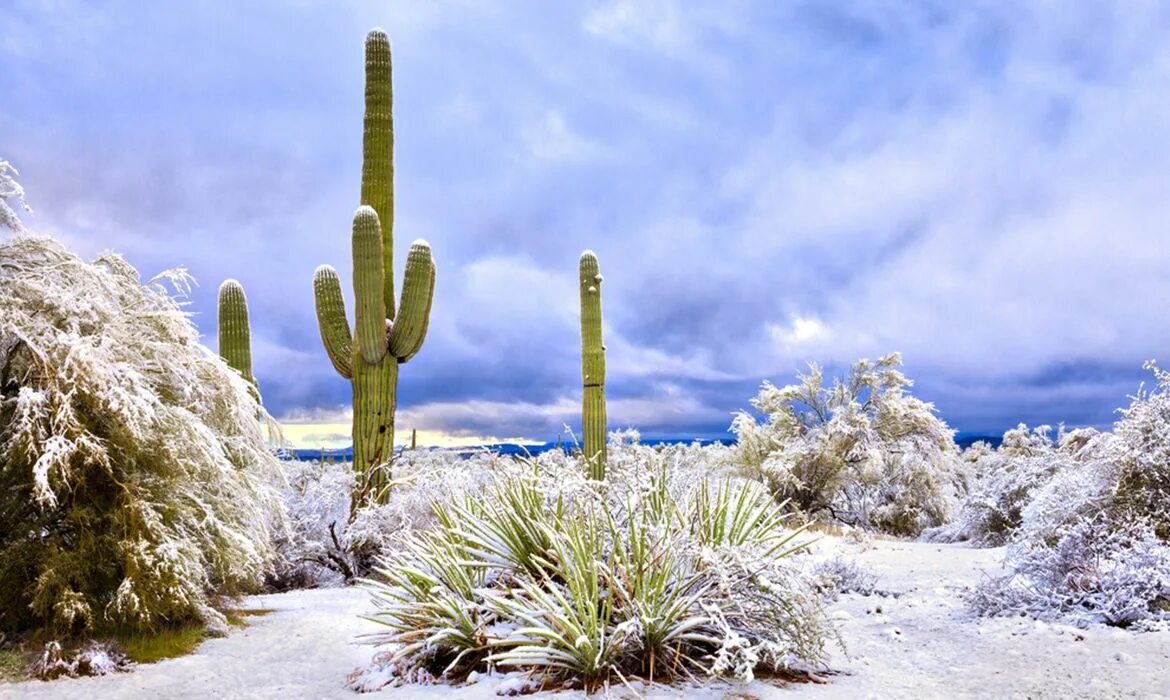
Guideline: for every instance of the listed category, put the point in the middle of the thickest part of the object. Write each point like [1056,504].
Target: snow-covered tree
[10,192]
[135,478]
[860,450]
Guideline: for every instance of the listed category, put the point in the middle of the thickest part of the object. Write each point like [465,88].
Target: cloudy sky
[984,186]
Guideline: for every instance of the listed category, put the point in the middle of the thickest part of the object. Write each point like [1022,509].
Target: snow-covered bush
[331,545]
[658,572]
[861,451]
[1005,480]
[1093,541]
[10,191]
[135,479]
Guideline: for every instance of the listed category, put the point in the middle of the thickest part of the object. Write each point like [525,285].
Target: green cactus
[592,366]
[235,335]
[381,339]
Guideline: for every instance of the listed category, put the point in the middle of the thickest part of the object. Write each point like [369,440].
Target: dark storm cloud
[981,186]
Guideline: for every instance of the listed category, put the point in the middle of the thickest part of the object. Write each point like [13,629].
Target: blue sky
[981,185]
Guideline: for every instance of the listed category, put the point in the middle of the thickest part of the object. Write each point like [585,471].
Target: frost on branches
[10,191]
[135,479]
[861,451]
[1092,543]
[1005,480]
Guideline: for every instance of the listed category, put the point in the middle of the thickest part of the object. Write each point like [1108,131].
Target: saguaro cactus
[592,366]
[381,339]
[235,335]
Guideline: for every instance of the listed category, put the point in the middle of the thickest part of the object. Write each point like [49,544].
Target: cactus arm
[378,151]
[235,338]
[368,276]
[418,290]
[332,321]
[592,366]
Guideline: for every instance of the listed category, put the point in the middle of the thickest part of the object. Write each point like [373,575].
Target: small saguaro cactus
[381,339]
[235,335]
[592,366]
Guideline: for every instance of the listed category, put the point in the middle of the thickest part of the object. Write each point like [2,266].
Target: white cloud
[654,23]
[551,139]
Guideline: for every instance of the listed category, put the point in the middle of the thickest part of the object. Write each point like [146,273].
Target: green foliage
[14,665]
[652,578]
[135,481]
[164,643]
[382,339]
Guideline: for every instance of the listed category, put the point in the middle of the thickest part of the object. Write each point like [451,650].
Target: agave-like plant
[426,595]
[567,626]
[599,584]
[741,513]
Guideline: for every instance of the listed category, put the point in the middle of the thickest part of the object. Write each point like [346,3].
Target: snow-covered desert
[589,349]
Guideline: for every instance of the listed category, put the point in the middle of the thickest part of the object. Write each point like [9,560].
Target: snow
[916,640]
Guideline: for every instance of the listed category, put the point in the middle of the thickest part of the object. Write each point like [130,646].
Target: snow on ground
[918,642]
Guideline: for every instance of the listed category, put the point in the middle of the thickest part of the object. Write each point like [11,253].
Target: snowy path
[303,649]
[921,644]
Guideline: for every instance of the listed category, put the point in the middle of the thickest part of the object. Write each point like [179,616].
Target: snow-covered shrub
[331,545]
[839,575]
[861,450]
[1142,457]
[10,191]
[1093,543]
[655,573]
[135,479]
[1005,480]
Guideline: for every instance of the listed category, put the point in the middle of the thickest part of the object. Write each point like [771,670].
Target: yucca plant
[584,585]
[741,513]
[658,589]
[509,527]
[568,625]
[426,594]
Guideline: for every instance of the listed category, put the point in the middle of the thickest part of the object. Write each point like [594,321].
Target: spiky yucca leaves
[429,601]
[609,582]
[592,366]
[383,338]
[235,334]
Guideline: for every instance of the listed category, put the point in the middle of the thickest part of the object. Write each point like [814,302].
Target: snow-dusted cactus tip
[592,365]
[235,334]
[381,339]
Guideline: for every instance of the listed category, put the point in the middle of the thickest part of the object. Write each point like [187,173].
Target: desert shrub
[861,451]
[1005,480]
[136,481]
[654,573]
[11,192]
[1092,545]
[838,575]
[330,545]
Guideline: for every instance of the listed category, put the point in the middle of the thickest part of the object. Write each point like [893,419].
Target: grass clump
[661,576]
[166,643]
[13,666]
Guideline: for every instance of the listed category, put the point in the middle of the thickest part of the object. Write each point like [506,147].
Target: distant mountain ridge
[964,440]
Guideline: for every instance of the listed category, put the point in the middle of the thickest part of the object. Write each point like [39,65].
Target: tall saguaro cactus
[592,366]
[235,335]
[381,339]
